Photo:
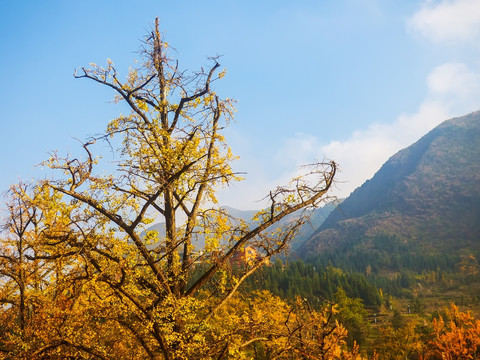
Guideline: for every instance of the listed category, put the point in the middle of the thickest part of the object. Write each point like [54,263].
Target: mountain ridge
[317,216]
[427,194]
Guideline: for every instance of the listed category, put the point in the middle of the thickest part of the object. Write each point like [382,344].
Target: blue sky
[350,80]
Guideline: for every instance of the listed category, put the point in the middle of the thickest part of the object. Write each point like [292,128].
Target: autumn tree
[456,336]
[123,291]
[17,272]
[317,335]
[38,276]
[399,339]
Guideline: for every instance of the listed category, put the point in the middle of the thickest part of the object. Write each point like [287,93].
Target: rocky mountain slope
[426,198]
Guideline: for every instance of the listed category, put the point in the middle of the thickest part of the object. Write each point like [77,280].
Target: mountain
[245,215]
[317,216]
[424,199]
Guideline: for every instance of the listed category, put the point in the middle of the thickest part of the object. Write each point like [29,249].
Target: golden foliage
[84,277]
[455,338]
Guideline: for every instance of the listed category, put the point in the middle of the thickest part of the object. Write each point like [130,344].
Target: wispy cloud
[447,21]
[453,90]
[456,84]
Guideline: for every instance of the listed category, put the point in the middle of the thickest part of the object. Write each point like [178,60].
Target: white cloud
[448,20]
[453,91]
[454,79]
[297,150]
[365,151]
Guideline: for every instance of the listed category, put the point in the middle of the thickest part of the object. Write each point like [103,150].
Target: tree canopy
[82,274]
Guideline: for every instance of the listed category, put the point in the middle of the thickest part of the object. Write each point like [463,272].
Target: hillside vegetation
[424,200]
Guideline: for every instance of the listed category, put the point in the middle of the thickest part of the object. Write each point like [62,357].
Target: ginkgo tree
[17,273]
[130,292]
